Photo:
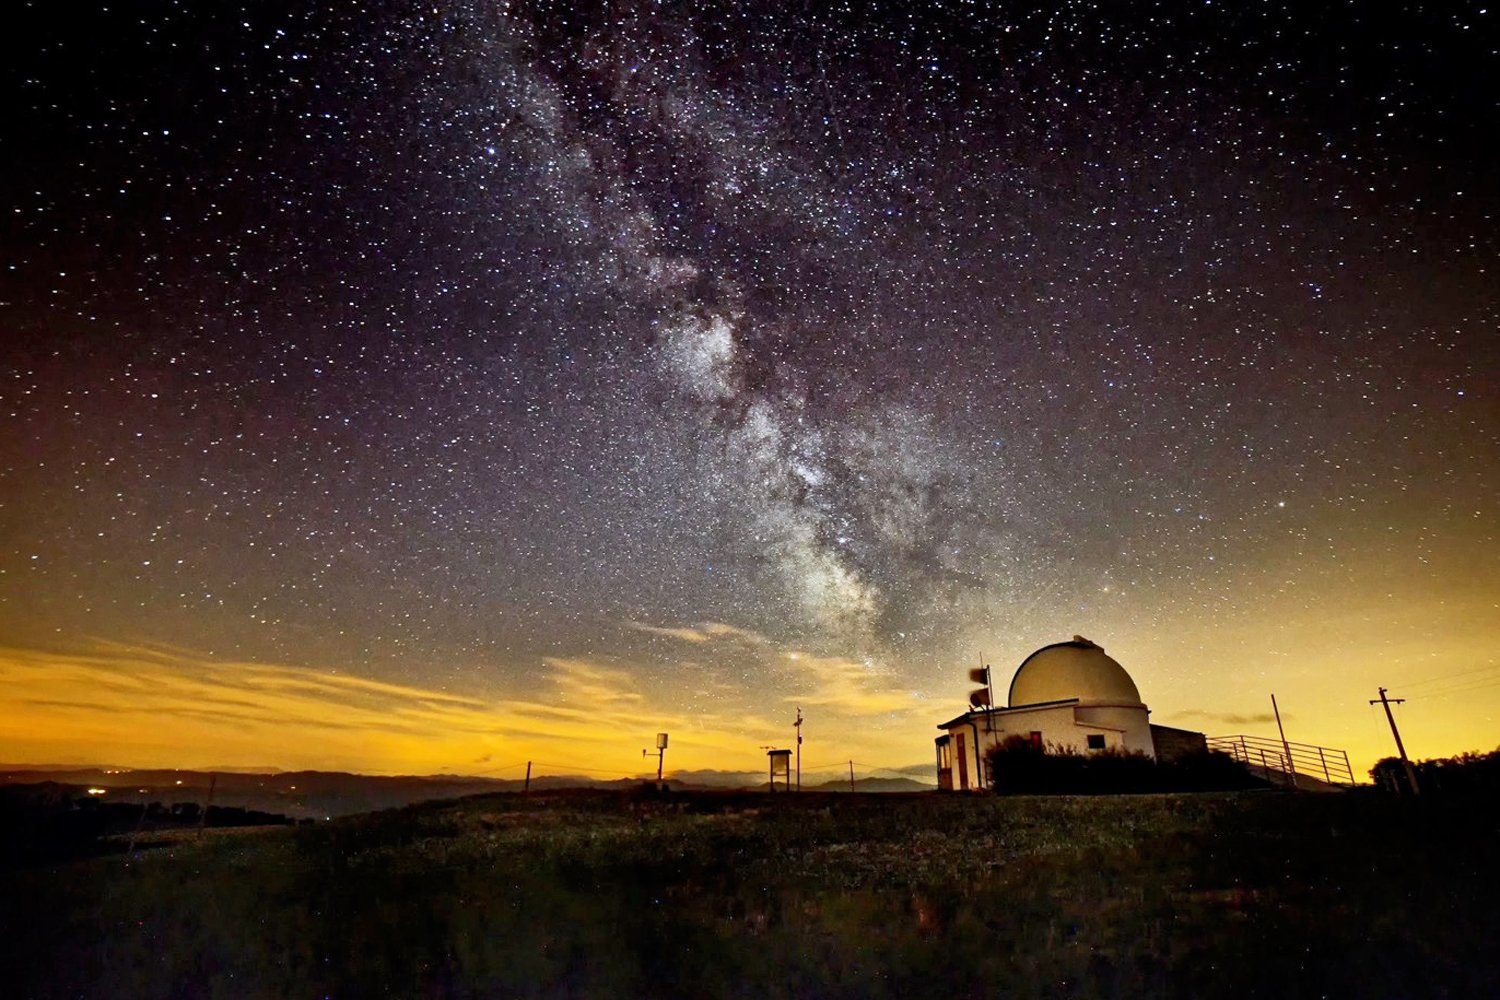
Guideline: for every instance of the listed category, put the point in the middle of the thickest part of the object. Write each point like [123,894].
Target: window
[1096,741]
[1036,739]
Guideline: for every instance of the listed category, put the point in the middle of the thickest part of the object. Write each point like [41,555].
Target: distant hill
[864,785]
[299,794]
[874,785]
[326,794]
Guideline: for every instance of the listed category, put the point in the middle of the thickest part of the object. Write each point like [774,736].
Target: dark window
[1096,741]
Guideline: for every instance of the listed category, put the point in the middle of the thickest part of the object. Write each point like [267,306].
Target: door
[963,761]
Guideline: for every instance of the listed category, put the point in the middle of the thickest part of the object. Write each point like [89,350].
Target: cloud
[703,632]
[154,706]
[684,634]
[849,687]
[585,683]
[1232,718]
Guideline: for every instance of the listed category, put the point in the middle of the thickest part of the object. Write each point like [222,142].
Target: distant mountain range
[326,794]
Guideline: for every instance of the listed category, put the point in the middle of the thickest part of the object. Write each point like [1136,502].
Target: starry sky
[417,387]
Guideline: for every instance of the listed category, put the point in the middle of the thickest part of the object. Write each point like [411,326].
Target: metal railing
[1284,762]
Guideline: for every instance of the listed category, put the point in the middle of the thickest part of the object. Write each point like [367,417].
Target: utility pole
[526,790]
[851,776]
[1286,747]
[1411,774]
[799,748]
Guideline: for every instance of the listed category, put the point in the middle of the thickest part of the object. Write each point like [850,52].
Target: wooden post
[213,779]
[526,790]
[851,776]
[1411,773]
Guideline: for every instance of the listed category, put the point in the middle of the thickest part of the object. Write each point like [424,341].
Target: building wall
[1124,727]
[1055,724]
[1132,722]
[1174,744]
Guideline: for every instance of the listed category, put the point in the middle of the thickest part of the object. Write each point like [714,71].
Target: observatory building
[1067,695]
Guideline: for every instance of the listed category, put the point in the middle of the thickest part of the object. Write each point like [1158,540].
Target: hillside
[598,894]
[323,795]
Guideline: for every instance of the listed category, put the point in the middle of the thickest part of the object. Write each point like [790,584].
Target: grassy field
[812,895]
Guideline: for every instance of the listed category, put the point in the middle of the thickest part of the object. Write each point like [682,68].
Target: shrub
[1017,766]
[1464,774]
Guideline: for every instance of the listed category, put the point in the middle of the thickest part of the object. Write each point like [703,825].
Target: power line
[1462,687]
[499,767]
[1449,677]
[591,770]
[887,770]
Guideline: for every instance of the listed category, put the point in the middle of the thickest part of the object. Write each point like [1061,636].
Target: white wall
[1124,727]
[1133,720]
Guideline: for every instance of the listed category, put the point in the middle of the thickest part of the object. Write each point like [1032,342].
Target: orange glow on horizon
[151,706]
[144,706]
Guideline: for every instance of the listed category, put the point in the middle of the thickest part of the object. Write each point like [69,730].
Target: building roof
[1078,669]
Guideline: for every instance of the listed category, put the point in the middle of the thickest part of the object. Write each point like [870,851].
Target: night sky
[433,387]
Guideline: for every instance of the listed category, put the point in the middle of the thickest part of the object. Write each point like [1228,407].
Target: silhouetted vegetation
[46,822]
[1471,773]
[1018,766]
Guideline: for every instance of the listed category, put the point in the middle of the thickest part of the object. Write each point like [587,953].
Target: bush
[1018,766]
[1465,774]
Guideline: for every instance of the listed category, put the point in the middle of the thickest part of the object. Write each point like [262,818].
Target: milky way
[428,341]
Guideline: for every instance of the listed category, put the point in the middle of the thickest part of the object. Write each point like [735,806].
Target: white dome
[1077,669]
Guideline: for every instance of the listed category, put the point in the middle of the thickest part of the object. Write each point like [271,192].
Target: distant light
[179,781]
[96,791]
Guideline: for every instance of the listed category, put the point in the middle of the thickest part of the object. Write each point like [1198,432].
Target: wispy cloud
[156,706]
[850,687]
[702,632]
[581,682]
[1232,718]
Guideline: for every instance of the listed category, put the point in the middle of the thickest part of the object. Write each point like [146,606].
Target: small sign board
[781,767]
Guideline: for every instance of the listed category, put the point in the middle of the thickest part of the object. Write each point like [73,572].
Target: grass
[723,895]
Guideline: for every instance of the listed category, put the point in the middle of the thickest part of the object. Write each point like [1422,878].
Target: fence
[1286,762]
